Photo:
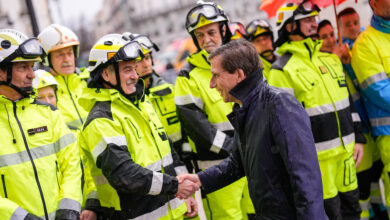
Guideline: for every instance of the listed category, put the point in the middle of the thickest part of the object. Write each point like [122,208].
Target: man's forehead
[63,50]
[207,28]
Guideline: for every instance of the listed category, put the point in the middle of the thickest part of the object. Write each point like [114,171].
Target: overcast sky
[72,9]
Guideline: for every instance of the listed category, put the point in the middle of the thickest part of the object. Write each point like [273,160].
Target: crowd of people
[296,127]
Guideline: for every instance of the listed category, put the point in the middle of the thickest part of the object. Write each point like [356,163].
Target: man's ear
[105,75]
[223,30]
[240,75]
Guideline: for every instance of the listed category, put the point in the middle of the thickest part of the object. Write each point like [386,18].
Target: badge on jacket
[33,131]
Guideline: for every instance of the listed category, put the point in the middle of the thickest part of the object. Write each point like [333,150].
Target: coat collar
[242,90]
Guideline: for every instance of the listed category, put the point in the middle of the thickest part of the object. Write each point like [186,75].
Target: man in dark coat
[274,143]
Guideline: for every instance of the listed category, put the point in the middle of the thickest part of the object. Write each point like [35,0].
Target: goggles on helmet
[145,42]
[237,28]
[29,49]
[208,11]
[130,51]
[306,8]
[253,27]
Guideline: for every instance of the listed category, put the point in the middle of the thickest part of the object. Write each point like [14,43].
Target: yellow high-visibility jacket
[39,162]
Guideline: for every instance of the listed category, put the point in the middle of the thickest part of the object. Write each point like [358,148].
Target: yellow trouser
[383,143]
[338,175]
[225,203]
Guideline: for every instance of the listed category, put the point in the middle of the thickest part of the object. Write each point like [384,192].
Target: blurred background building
[162,20]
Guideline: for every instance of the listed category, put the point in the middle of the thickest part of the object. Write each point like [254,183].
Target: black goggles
[237,27]
[130,51]
[208,11]
[306,7]
[145,42]
[29,49]
[252,27]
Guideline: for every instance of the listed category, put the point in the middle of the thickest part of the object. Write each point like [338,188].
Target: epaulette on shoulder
[281,61]
[37,102]
[186,69]
[99,110]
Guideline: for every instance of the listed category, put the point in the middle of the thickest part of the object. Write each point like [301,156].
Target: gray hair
[238,54]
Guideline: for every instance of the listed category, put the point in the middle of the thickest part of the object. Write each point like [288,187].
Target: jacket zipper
[32,163]
[4,188]
[71,98]
[57,170]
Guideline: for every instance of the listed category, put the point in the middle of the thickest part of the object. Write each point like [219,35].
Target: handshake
[188,184]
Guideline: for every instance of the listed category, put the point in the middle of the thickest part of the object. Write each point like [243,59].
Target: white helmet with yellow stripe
[290,13]
[43,79]
[111,49]
[16,47]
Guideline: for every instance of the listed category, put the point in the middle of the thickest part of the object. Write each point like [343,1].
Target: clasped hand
[188,184]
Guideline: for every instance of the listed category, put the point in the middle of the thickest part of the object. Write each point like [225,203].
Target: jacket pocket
[4,186]
[136,130]
[308,82]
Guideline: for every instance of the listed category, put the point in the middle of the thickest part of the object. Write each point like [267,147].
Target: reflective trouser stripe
[204,164]
[365,205]
[189,99]
[375,122]
[175,136]
[19,214]
[164,162]
[37,152]
[327,145]
[157,183]
[219,139]
[69,204]
[327,108]
[373,79]
[375,193]
[355,96]
[161,211]
[102,145]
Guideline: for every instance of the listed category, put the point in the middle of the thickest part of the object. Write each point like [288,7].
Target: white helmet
[43,79]
[111,48]
[16,47]
[56,37]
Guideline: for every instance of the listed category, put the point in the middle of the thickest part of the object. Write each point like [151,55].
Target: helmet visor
[237,27]
[306,7]
[207,11]
[258,24]
[130,51]
[29,49]
[145,42]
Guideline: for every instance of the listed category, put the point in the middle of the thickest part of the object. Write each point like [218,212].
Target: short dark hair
[238,54]
[322,24]
[346,11]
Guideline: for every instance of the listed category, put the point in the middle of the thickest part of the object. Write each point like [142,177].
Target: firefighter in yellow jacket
[317,80]
[39,161]
[127,150]
[202,111]
[62,48]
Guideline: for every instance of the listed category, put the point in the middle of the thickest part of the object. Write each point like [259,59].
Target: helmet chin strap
[24,91]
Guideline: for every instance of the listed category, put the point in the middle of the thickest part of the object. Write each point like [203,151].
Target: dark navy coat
[275,150]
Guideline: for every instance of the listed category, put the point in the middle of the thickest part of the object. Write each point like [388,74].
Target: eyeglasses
[29,49]
[129,51]
[145,42]
[208,11]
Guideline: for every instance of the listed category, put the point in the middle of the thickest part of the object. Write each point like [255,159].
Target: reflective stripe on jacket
[69,90]
[317,80]
[129,157]
[371,63]
[202,111]
[39,162]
